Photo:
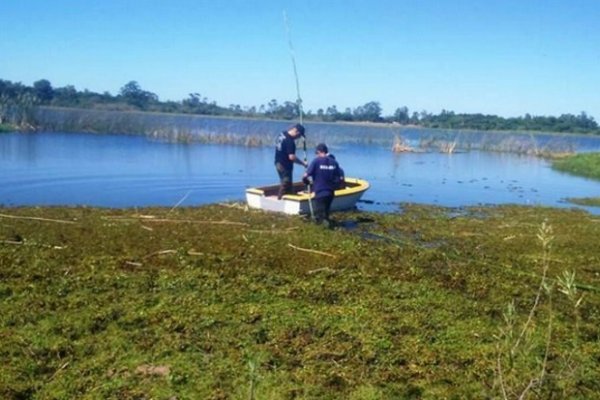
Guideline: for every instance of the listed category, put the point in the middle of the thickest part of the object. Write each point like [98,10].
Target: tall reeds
[400,146]
[19,111]
[499,142]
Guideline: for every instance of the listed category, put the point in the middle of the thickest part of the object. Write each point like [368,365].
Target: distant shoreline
[383,125]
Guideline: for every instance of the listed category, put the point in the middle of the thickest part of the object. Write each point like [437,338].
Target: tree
[192,103]
[371,111]
[134,95]
[401,115]
[289,110]
[332,113]
[414,119]
[66,96]
[42,89]
[346,115]
[321,114]
[272,107]
[235,109]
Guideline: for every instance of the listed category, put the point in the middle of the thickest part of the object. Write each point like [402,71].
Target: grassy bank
[585,201]
[583,164]
[586,165]
[7,128]
[219,302]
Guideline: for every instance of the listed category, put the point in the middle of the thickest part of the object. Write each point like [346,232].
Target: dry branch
[60,221]
[322,253]
[161,252]
[135,264]
[65,365]
[325,269]
[11,242]
[150,218]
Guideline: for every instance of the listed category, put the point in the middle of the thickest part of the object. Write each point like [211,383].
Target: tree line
[17,101]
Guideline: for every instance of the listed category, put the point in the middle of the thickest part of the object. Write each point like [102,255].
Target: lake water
[131,171]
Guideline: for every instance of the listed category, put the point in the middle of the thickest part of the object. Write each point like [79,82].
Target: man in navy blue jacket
[325,174]
[285,157]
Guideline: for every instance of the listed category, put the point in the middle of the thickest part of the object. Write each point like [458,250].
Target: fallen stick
[322,253]
[11,242]
[161,252]
[190,221]
[65,365]
[223,222]
[156,253]
[128,217]
[286,230]
[325,269]
[60,221]
[135,264]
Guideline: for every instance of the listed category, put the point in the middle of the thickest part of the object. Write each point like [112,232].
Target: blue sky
[506,57]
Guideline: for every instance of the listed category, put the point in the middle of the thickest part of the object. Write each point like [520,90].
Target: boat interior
[300,188]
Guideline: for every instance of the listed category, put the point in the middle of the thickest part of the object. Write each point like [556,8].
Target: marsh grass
[187,128]
[4,128]
[583,164]
[213,302]
[400,145]
[449,142]
[585,201]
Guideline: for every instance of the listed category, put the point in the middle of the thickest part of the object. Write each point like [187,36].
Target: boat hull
[265,198]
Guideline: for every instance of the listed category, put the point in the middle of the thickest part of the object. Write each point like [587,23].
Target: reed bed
[502,143]
[181,128]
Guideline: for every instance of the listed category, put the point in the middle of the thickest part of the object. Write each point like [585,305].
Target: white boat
[265,197]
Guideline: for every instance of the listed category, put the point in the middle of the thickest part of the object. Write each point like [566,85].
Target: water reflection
[128,171]
[22,147]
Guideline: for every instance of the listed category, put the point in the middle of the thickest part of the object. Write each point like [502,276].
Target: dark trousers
[285,180]
[321,208]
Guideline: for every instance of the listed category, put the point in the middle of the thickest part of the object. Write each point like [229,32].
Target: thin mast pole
[298,99]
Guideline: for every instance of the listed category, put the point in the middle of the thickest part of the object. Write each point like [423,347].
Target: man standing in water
[285,157]
[325,174]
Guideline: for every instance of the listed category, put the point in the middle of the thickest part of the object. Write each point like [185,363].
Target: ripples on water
[131,171]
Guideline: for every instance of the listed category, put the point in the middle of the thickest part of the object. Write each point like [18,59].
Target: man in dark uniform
[285,157]
[325,174]
[341,184]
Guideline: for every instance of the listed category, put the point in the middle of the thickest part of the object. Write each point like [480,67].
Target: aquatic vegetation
[585,201]
[222,302]
[7,128]
[185,128]
[17,112]
[400,145]
[583,164]
[504,142]
[524,348]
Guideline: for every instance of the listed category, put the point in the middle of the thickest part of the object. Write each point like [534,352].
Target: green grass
[7,128]
[585,201]
[584,164]
[215,303]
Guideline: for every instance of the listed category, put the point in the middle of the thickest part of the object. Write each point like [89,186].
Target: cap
[300,129]
[322,147]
